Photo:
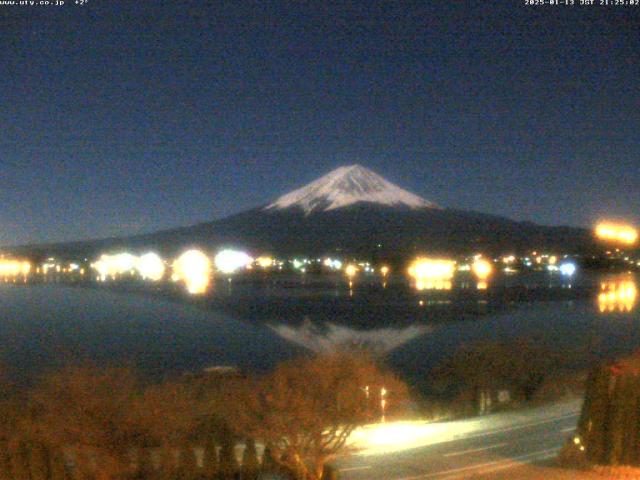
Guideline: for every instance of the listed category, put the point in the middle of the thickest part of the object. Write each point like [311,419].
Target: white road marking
[517,427]
[354,469]
[472,450]
[489,466]
[551,453]
[570,429]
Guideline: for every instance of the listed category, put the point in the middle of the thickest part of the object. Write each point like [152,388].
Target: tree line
[89,423]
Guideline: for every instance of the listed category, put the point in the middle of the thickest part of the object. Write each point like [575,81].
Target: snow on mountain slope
[346,186]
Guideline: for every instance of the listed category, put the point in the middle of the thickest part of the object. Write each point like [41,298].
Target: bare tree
[89,410]
[519,364]
[106,414]
[166,413]
[307,408]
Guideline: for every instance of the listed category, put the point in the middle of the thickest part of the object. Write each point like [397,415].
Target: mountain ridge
[348,210]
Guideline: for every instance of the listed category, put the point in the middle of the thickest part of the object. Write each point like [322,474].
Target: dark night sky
[122,117]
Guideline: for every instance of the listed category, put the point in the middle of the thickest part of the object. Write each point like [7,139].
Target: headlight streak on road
[492,432]
[393,437]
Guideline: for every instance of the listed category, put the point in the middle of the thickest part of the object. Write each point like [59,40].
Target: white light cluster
[230,261]
[300,264]
[193,268]
[151,266]
[332,263]
[430,273]
[482,269]
[366,267]
[148,266]
[113,265]
[13,268]
[568,269]
[265,262]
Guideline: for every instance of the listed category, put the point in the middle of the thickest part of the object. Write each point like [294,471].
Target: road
[477,448]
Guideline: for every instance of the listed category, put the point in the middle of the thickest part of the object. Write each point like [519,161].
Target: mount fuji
[351,210]
[348,186]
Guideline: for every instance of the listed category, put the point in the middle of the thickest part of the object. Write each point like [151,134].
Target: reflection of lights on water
[384,271]
[618,296]
[617,233]
[229,261]
[350,271]
[432,274]
[194,269]
[433,285]
[482,285]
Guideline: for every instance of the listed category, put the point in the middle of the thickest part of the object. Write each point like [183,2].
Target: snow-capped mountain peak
[345,186]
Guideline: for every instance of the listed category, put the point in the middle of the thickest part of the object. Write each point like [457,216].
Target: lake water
[254,327]
[45,326]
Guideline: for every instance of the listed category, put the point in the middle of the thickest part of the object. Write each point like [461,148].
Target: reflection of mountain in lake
[330,336]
